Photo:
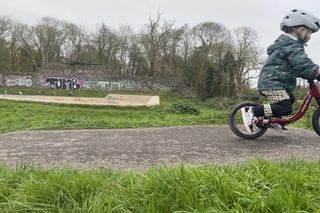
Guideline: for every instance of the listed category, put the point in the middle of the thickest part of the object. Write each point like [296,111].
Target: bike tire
[316,121]
[233,123]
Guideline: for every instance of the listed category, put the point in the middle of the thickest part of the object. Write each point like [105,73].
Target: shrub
[185,108]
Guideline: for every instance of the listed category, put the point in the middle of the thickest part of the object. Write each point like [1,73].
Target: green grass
[29,116]
[17,116]
[257,186]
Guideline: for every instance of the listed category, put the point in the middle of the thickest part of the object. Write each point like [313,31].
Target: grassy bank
[27,115]
[258,186]
[17,116]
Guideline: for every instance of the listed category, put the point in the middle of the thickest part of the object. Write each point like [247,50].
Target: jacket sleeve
[301,63]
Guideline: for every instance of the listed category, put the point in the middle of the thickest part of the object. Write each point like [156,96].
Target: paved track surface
[142,148]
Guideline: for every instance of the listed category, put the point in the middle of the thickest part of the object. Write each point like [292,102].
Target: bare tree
[247,55]
[153,40]
[186,47]
[19,47]
[28,43]
[137,64]
[99,40]
[106,43]
[50,38]
[209,33]
[15,33]
[124,35]
[171,58]
[208,45]
[76,38]
[5,23]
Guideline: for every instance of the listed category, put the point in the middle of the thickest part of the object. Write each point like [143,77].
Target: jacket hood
[281,41]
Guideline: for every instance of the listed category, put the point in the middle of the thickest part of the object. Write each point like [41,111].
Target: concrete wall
[90,77]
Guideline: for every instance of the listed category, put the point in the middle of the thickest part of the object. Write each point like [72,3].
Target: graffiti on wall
[90,85]
[121,85]
[125,85]
[77,84]
[18,80]
[63,83]
[114,85]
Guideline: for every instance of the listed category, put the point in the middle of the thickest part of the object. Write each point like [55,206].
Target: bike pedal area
[277,127]
[274,126]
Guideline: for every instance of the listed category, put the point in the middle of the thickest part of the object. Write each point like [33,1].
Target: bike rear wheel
[237,126]
[316,121]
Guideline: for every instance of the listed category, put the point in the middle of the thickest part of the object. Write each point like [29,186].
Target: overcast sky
[262,15]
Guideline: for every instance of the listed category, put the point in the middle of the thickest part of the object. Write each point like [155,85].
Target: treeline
[213,60]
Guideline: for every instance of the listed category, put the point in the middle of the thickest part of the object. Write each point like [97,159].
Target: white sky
[262,15]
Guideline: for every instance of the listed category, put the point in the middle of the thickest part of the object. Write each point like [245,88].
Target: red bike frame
[313,92]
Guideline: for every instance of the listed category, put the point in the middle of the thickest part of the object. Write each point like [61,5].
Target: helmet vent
[294,10]
[303,14]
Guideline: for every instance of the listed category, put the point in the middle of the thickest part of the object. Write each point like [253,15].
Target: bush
[185,108]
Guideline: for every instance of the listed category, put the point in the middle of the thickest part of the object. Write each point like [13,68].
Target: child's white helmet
[297,17]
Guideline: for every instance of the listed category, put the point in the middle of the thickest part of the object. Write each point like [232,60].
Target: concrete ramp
[110,100]
[133,100]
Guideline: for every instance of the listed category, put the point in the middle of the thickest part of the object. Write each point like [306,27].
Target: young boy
[286,61]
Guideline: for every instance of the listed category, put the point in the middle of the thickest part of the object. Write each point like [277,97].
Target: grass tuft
[256,186]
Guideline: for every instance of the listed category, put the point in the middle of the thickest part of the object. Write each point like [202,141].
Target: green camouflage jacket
[286,61]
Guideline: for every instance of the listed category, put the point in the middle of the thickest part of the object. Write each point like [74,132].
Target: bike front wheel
[237,126]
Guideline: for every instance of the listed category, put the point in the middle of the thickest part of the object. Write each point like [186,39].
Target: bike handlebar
[311,82]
